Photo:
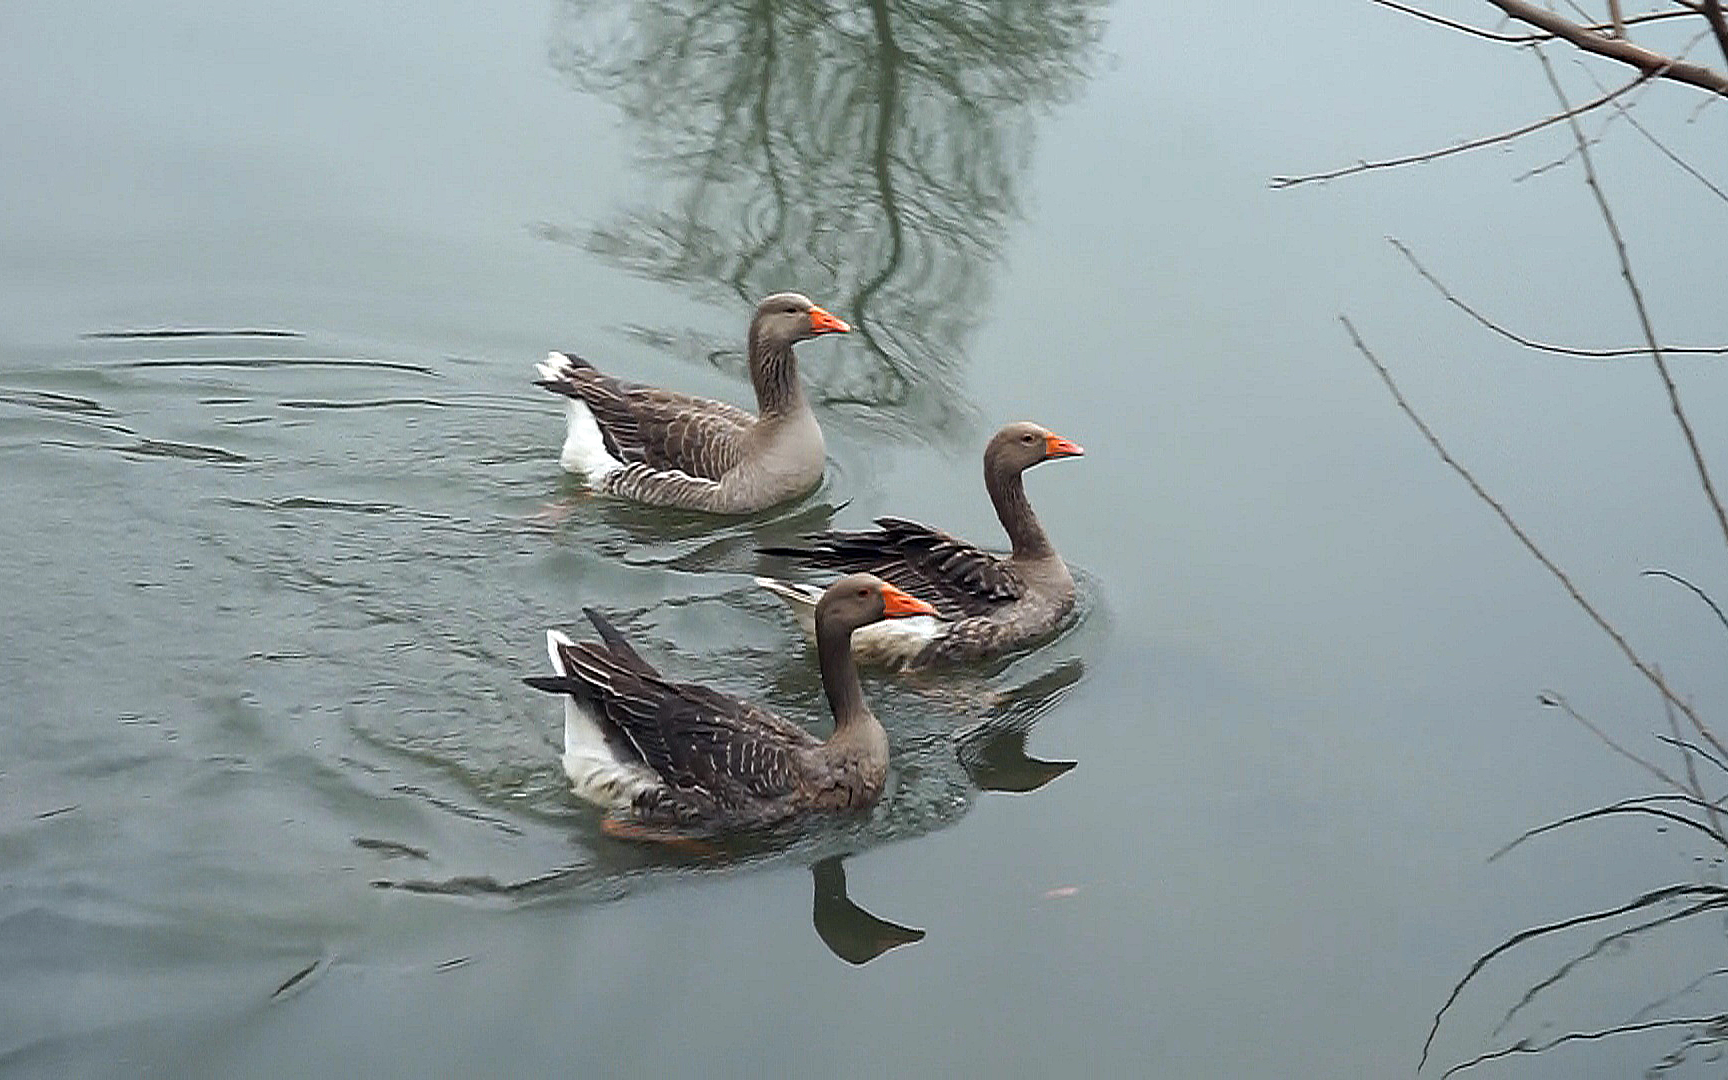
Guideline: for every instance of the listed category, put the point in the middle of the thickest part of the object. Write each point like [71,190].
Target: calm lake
[275,802]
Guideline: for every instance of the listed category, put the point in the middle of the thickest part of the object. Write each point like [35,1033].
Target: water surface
[272,585]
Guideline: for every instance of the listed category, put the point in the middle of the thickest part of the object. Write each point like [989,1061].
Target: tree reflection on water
[865,154]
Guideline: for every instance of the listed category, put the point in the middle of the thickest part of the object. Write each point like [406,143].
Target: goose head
[861,599]
[1020,446]
[787,318]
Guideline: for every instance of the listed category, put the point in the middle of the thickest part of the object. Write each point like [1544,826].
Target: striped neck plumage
[774,374]
[839,674]
[1008,495]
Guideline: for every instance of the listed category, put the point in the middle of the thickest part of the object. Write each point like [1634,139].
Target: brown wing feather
[662,429]
[665,487]
[721,749]
[960,580]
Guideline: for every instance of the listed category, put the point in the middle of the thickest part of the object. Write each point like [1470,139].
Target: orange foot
[556,513]
[623,829]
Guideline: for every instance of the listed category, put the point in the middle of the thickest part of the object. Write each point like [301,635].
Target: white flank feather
[596,775]
[896,641]
[891,641]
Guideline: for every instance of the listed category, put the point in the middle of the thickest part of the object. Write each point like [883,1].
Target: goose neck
[774,374]
[840,676]
[1014,510]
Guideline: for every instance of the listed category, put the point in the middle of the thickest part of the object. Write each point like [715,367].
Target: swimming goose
[670,449]
[986,604]
[668,760]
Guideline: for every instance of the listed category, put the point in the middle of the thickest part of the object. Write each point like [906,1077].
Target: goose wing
[645,425]
[693,737]
[957,578]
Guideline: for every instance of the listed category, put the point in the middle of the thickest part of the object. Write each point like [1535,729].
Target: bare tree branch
[1616,27]
[1572,152]
[1281,182]
[1597,948]
[1557,701]
[1532,343]
[1521,39]
[1649,1010]
[1712,12]
[1655,896]
[1629,807]
[1689,761]
[1646,61]
[1601,621]
[1700,593]
[1521,1048]
[1621,111]
[1694,748]
[1638,301]
[1671,155]
[1453,24]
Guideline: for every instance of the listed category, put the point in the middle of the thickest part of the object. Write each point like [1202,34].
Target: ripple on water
[340,614]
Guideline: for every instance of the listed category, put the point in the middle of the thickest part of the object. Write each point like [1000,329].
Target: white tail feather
[553,368]
[596,775]
[800,598]
[896,641]
[584,452]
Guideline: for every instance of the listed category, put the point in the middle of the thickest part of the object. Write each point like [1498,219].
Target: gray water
[274,801]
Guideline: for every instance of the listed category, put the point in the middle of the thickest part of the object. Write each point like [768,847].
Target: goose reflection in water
[868,153]
[688,541]
[935,778]
[993,751]
[850,932]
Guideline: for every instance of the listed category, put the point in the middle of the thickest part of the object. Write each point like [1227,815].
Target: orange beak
[897,602]
[823,323]
[1057,446]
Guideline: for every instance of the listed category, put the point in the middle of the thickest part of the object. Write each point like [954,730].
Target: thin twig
[1637,299]
[1694,748]
[1630,806]
[1531,343]
[1692,782]
[1623,111]
[1523,537]
[1281,182]
[1638,126]
[1557,701]
[1453,24]
[1519,39]
[1572,152]
[1678,994]
[1596,949]
[1701,594]
[1523,1047]
[1654,896]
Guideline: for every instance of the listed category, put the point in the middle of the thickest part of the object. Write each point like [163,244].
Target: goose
[986,604]
[668,760]
[665,448]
